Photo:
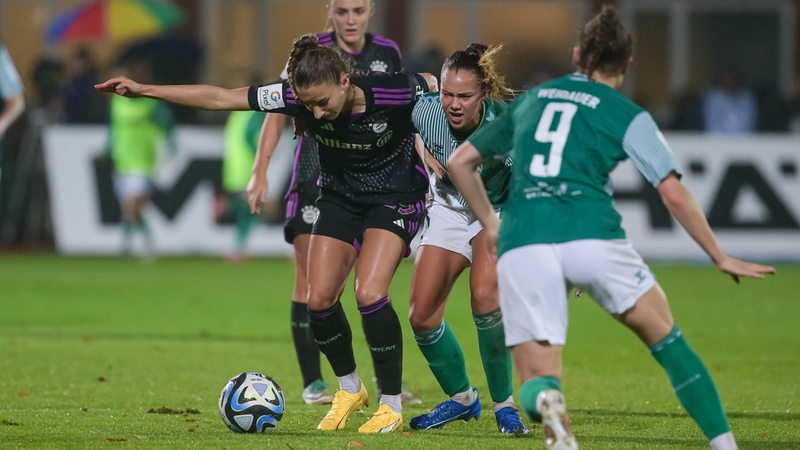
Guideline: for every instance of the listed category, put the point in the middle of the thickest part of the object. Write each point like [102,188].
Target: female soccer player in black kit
[371,204]
[346,31]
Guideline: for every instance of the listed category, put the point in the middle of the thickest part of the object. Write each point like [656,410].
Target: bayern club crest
[378,66]
[309,213]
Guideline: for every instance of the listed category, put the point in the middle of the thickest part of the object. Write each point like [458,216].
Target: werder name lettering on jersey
[574,96]
[335,143]
[271,96]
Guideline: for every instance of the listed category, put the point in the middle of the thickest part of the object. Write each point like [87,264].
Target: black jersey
[380,54]
[366,157]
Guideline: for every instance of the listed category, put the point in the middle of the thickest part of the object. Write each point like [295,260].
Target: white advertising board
[749,186]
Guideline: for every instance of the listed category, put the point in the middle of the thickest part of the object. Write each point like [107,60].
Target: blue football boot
[446,412]
[508,421]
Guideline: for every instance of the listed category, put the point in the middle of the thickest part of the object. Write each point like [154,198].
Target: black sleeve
[420,81]
[272,97]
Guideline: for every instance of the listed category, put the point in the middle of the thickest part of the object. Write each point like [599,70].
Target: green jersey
[137,127]
[241,143]
[431,124]
[566,136]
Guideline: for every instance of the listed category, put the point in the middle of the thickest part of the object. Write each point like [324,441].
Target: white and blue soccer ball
[251,402]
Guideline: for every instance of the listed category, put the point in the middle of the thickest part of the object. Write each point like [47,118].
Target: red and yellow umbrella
[114,20]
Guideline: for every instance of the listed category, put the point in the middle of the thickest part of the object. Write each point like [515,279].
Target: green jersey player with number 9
[560,228]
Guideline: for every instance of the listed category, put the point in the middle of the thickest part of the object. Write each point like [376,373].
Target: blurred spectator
[175,60]
[82,103]
[688,112]
[48,80]
[429,60]
[773,113]
[728,106]
[12,101]
[541,71]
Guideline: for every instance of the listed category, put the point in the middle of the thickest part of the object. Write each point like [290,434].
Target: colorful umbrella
[114,19]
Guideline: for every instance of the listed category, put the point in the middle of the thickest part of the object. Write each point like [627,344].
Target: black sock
[385,340]
[334,338]
[304,345]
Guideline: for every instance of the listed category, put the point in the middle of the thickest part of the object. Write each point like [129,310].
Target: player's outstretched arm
[202,96]
[684,208]
[258,185]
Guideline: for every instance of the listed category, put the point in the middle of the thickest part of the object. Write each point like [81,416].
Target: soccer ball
[251,402]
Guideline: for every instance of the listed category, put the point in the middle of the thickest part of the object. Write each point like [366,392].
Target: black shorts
[346,220]
[301,213]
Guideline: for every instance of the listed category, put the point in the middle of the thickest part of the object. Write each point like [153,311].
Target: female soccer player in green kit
[472,94]
[560,228]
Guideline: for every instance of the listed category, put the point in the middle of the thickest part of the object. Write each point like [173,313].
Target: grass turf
[112,353]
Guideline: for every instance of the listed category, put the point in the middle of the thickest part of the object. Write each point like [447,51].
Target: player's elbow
[674,194]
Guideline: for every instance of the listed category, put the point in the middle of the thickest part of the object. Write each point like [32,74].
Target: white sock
[466,398]
[394,402]
[724,441]
[504,404]
[350,382]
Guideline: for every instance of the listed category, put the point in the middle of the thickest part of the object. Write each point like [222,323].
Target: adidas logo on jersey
[400,223]
[328,127]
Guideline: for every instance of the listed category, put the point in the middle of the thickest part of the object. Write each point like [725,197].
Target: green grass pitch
[113,353]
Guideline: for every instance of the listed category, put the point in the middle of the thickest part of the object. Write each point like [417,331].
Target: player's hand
[257,193]
[122,86]
[737,268]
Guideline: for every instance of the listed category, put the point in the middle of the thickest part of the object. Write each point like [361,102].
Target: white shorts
[534,283]
[128,186]
[451,225]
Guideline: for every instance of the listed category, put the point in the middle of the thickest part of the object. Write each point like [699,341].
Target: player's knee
[421,322]
[484,299]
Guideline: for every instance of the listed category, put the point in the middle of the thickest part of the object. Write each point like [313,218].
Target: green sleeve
[494,139]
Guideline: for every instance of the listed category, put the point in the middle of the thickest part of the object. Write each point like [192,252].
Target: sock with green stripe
[692,383]
[445,357]
[495,356]
[530,391]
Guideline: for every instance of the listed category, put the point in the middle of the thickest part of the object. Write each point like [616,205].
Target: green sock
[127,235]
[495,355]
[142,227]
[530,391]
[692,383]
[445,358]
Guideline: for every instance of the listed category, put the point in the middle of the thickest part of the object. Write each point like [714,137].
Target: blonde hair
[480,59]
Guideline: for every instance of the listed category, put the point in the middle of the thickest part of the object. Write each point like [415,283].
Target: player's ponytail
[311,64]
[604,44]
[480,59]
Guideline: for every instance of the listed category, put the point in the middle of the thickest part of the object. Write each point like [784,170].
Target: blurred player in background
[346,31]
[471,94]
[138,127]
[371,203]
[242,130]
[560,228]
